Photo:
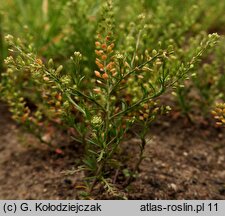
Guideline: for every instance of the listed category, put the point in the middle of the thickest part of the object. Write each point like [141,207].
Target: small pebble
[173,186]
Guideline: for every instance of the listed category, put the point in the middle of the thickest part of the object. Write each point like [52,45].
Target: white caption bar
[112,207]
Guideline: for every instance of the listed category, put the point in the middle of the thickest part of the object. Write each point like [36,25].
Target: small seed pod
[24,117]
[59,97]
[110,66]
[57,104]
[59,69]
[105,76]
[97,74]
[39,61]
[104,57]
[98,52]
[141,118]
[97,44]
[104,46]
[97,90]
[98,81]
[45,78]
[107,38]
[100,65]
[50,63]
[140,77]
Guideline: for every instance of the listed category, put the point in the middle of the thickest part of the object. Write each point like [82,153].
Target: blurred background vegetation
[58,28]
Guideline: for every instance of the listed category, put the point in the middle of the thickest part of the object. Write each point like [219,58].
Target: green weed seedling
[219,114]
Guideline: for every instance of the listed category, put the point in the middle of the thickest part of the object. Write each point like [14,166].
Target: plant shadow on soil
[182,161]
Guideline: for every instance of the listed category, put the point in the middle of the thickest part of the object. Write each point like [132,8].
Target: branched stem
[133,70]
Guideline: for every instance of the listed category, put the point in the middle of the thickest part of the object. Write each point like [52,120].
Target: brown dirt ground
[182,161]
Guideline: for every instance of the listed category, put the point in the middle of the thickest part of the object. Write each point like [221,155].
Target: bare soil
[183,161]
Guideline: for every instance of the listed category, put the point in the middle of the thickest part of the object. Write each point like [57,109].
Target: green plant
[122,93]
